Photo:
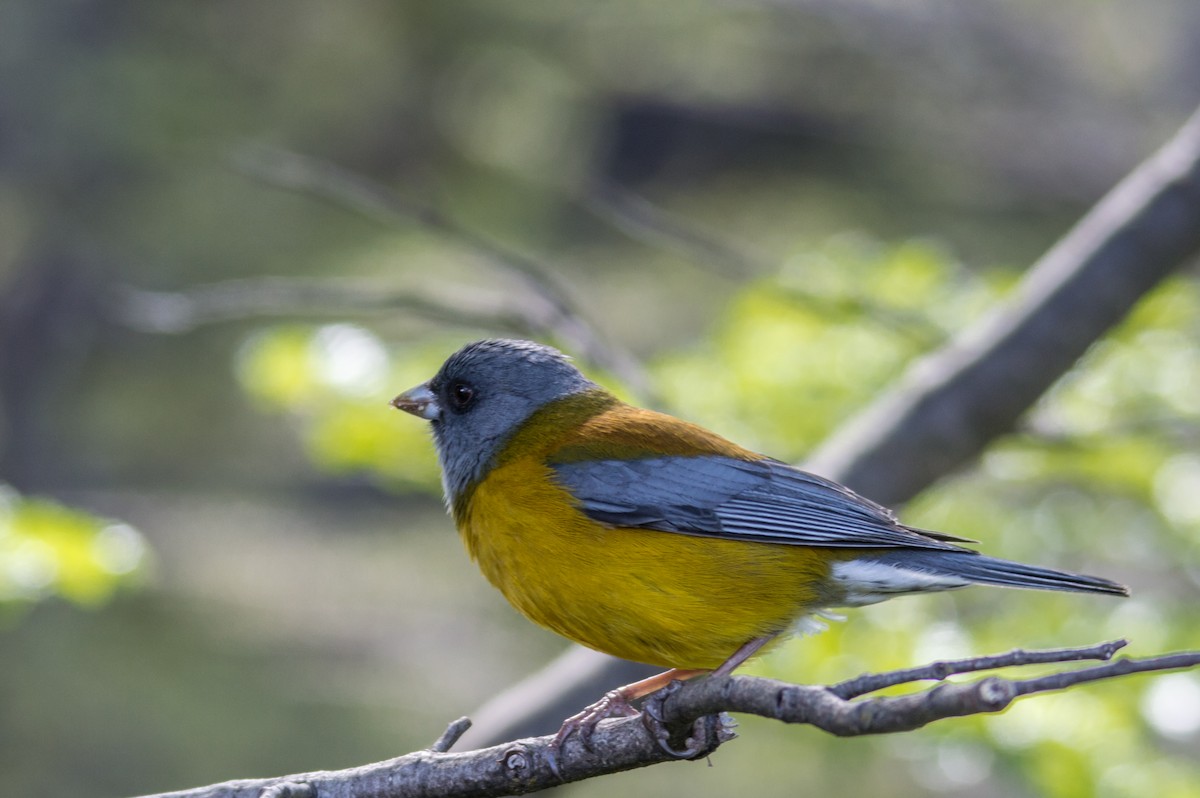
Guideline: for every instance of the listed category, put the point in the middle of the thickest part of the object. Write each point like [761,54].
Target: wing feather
[726,497]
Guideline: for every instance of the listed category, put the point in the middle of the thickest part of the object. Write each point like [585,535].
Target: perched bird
[654,540]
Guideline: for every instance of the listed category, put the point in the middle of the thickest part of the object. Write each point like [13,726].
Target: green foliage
[795,354]
[336,380]
[47,549]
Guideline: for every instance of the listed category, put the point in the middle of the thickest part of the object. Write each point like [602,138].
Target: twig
[1121,667]
[522,766]
[869,683]
[643,221]
[181,311]
[451,735]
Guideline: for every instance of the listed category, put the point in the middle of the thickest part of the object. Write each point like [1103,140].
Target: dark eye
[460,394]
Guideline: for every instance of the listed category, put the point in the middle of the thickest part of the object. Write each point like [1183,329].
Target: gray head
[481,395]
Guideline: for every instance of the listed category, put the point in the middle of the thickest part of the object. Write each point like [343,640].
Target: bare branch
[288,297]
[644,221]
[346,189]
[870,683]
[692,710]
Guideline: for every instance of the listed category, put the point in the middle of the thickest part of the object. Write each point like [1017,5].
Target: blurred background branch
[298,298]
[951,404]
[541,290]
[654,227]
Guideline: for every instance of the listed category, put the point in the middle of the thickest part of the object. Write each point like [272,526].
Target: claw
[613,704]
[616,703]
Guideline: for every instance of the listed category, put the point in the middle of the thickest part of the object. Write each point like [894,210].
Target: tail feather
[945,570]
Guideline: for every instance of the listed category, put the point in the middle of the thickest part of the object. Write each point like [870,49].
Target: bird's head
[481,396]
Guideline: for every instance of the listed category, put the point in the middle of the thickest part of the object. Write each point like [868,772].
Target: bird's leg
[745,652]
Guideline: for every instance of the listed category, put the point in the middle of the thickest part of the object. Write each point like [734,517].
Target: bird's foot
[614,704]
[703,736]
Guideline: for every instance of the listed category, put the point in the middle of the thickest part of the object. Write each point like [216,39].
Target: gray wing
[761,500]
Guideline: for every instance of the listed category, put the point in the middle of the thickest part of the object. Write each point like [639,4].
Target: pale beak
[419,401]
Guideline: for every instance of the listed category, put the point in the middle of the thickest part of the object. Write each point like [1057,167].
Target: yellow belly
[662,598]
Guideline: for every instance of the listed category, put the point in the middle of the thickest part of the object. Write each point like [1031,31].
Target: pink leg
[744,653]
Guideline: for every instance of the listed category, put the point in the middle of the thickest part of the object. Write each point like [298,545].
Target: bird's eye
[461,395]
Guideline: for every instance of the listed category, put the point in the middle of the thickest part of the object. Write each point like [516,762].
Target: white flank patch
[867,582]
[815,623]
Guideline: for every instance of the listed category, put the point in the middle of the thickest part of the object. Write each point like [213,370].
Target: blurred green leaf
[335,380]
[47,549]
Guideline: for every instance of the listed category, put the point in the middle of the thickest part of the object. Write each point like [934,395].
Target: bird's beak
[419,401]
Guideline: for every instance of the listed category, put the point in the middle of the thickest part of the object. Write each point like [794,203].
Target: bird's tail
[984,570]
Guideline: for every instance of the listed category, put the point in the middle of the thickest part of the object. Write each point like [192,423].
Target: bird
[655,540]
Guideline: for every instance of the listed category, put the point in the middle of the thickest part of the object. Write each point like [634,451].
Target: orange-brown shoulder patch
[624,432]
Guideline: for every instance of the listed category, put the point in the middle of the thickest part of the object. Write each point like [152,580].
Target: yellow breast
[657,597]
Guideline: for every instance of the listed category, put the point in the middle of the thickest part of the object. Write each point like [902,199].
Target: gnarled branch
[692,711]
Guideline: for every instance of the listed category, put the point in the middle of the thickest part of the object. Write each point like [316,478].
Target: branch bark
[690,716]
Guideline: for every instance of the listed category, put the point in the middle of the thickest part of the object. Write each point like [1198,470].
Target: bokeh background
[230,231]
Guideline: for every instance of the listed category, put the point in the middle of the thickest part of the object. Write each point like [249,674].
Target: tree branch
[180,311]
[644,221]
[870,683]
[691,711]
[950,405]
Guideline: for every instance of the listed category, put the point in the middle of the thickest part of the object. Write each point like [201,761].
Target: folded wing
[716,496]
